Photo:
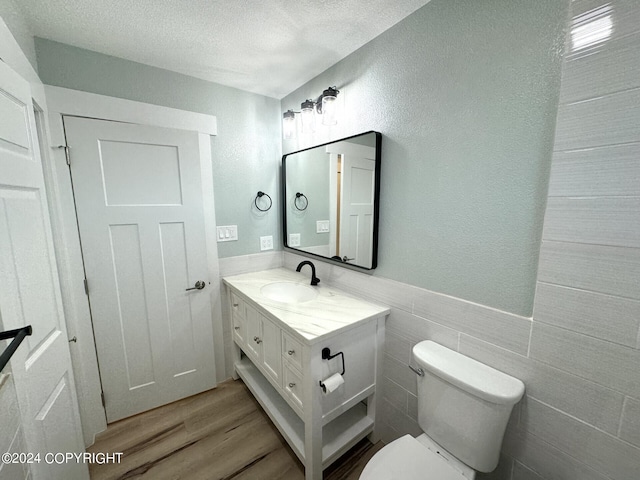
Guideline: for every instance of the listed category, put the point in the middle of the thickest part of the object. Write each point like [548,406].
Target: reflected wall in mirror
[331,200]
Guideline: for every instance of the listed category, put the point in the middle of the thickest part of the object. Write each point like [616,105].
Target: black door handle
[198,286]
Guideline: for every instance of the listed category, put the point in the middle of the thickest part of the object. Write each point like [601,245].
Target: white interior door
[140,213]
[356,203]
[30,292]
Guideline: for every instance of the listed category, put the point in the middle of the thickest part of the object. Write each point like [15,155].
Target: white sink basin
[288,292]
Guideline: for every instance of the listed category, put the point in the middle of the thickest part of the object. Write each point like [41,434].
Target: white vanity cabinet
[277,351]
[263,344]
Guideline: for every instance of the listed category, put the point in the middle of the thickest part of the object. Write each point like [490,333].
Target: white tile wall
[608,364]
[596,268]
[601,451]
[579,83]
[520,472]
[602,171]
[611,221]
[549,462]
[586,310]
[630,424]
[596,404]
[607,317]
[608,120]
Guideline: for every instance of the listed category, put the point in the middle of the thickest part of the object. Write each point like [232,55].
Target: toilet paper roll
[333,382]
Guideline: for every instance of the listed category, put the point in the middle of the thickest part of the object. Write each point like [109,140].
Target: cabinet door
[254,335]
[272,350]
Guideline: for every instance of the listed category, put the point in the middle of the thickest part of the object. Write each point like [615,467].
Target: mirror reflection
[331,200]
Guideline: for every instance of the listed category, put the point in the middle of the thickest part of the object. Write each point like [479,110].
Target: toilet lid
[408,459]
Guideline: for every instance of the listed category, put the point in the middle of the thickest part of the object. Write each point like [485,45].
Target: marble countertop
[330,312]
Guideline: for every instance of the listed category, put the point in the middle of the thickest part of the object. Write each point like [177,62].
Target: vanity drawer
[292,350]
[238,307]
[293,385]
[239,329]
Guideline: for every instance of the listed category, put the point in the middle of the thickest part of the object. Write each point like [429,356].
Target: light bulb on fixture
[289,124]
[308,117]
[328,107]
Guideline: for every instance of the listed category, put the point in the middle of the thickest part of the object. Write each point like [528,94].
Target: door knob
[198,286]
[346,259]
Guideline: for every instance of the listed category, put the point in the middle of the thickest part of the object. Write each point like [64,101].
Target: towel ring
[260,195]
[306,201]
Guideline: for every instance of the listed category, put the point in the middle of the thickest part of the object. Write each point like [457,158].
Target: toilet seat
[408,459]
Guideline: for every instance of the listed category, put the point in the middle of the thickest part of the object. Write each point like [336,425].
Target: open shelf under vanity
[338,435]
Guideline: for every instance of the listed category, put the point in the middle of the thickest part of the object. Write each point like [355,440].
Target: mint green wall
[308,172]
[14,19]
[465,95]
[246,152]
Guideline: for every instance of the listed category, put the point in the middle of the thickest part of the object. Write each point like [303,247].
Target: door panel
[356,215]
[30,293]
[140,213]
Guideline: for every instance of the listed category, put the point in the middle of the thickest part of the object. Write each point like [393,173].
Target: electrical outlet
[266,243]
[227,233]
[294,240]
[322,226]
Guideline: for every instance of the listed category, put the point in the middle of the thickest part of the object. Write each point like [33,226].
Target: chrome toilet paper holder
[326,355]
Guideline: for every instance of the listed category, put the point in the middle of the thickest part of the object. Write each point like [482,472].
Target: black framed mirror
[331,200]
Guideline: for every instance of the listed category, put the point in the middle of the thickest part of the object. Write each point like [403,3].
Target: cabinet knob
[291,385]
[235,304]
[291,352]
[237,328]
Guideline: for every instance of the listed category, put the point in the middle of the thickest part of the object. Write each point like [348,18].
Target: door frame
[62,101]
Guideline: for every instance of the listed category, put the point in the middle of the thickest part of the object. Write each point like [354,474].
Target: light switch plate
[266,243]
[227,233]
[294,240]
[322,226]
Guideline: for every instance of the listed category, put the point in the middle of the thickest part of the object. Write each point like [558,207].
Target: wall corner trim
[83,104]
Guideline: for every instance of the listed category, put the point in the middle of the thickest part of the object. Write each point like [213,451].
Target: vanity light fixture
[308,117]
[324,105]
[289,124]
[328,106]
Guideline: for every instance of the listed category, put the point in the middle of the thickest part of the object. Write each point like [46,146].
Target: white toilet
[463,409]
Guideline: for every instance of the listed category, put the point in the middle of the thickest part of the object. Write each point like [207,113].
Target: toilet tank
[464,405]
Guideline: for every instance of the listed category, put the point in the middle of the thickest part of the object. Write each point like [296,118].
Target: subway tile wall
[579,356]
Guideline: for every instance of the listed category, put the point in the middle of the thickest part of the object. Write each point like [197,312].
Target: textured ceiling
[269,47]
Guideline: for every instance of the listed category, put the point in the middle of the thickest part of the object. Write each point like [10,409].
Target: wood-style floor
[220,434]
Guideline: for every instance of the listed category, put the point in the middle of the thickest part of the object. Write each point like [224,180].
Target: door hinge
[102,398]
[86,286]
[66,152]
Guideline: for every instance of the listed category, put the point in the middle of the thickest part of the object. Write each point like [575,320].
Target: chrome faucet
[314,280]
